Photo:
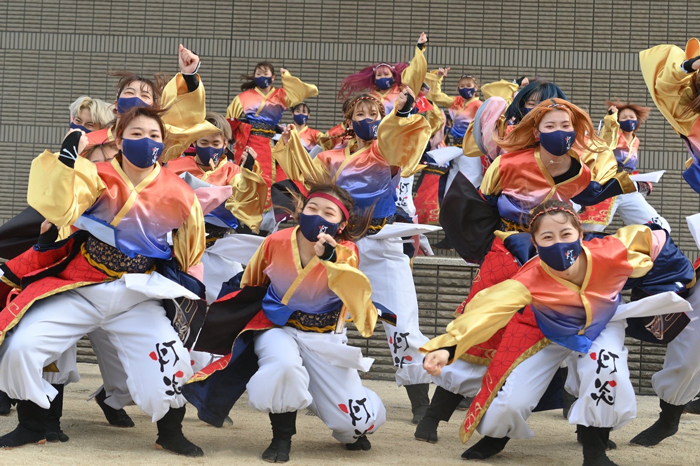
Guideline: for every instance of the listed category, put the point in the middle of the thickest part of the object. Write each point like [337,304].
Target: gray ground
[93,441]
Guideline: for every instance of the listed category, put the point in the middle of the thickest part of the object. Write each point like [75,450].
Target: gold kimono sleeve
[235,109]
[503,88]
[436,94]
[254,274]
[296,162]
[401,141]
[491,184]
[249,195]
[59,193]
[353,289]
[414,75]
[189,241]
[610,133]
[490,310]
[669,85]
[603,166]
[185,116]
[639,240]
[297,90]
[435,118]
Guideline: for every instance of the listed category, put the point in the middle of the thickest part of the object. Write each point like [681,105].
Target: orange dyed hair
[522,137]
[641,112]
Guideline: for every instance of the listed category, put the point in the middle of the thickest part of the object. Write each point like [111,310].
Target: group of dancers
[206,255]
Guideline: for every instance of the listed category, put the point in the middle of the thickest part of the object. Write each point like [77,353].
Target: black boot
[465,403]
[31,428]
[170,436]
[604,435]
[5,404]
[485,448]
[441,408]
[693,407]
[53,418]
[115,417]
[284,425]
[595,442]
[362,444]
[664,427]
[418,394]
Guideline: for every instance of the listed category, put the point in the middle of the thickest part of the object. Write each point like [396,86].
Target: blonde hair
[221,124]
[100,111]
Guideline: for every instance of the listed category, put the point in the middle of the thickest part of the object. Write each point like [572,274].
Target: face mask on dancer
[81,128]
[366,129]
[206,154]
[558,142]
[384,83]
[126,103]
[560,256]
[263,82]
[628,125]
[300,119]
[467,92]
[312,225]
[142,152]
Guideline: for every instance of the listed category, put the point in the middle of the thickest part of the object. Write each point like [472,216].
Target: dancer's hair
[221,124]
[553,207]
[363,80]
[156,84]
[249,79]
[100,111]
[130,115]
[522,137]
[538,89]
[301,105]
[641,112]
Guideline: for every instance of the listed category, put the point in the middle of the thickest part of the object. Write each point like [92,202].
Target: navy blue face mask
[263,82]
[525,111]
[300,119]
[126,103]
[558,142]
[560,256]
[384,83]
[82,128]
[143,152]
[628,125]
[366,129]
[206,154]
[467,92]
[313,225]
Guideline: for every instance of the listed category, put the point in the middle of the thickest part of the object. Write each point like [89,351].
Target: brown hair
[221,124]
[350,109]
[695,85]
[156,84]
[522,136]
[250,78]
[553,207]
[358,223]
[133,113]
[468,76]
[641,112]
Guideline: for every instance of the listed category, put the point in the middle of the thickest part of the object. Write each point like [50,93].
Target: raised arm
[401,139]
[414,75]
[297,91]
[606,181]
[295,160]
[434,80]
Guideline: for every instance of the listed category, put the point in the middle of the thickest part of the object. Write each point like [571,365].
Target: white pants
[389,271]
[461,378]
[470,167]
[605,394]
[152,355]
[302,369]
[634,210]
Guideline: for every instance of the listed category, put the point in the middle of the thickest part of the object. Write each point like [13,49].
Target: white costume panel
[461,378]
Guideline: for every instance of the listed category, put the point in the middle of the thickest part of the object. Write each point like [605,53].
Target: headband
[551,209]
[383,64]
[334,200]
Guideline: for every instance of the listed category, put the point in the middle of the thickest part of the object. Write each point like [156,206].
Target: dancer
[572,288]
[125,209]
[308,135]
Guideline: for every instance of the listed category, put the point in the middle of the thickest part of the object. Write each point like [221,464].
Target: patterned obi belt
[509,225]
[113,262]
[457,142]
[321,323]
[264,130]
[376,224]
[214,233]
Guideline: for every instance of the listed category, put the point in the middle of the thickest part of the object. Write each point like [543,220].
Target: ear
[536,134]
[342,226]
[119,143]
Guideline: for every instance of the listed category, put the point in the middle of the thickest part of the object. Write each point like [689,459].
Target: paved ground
[93,441]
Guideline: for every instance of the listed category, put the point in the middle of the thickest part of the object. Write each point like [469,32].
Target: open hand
[435,361]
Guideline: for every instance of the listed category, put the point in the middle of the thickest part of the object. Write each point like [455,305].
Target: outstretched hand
[435,361]
[187,60]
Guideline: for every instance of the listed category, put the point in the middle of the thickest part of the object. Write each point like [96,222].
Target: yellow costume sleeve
[414,75]
[401,141]
[297,91]
[235,109]
[435,118]
[489,311]
[491,184]
[669,85]
[254,274]
[610,132]
[249,195]
[503,88]
[184,118]
[296,162]
[639,241]
[353,288]
[189,241]
[603,166]
[59,193]
[436,94]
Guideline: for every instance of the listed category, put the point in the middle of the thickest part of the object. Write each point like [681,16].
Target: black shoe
[418,395]
[362,443]
[31,428]
[115,417]
[284,425]
[5,404]
[53,418]
[465,404]
[595,443]
[170,436]
[443,244]
[441,408]
[569,400]
[610,444]
[54,437]
[426,430]
[485,448]
[693,407]
[664,427]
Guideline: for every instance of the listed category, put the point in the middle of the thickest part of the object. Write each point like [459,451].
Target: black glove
[422,46]
[328,253]
[688,64]
[406,109]
[50,236]
[69,149]
[249,162]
